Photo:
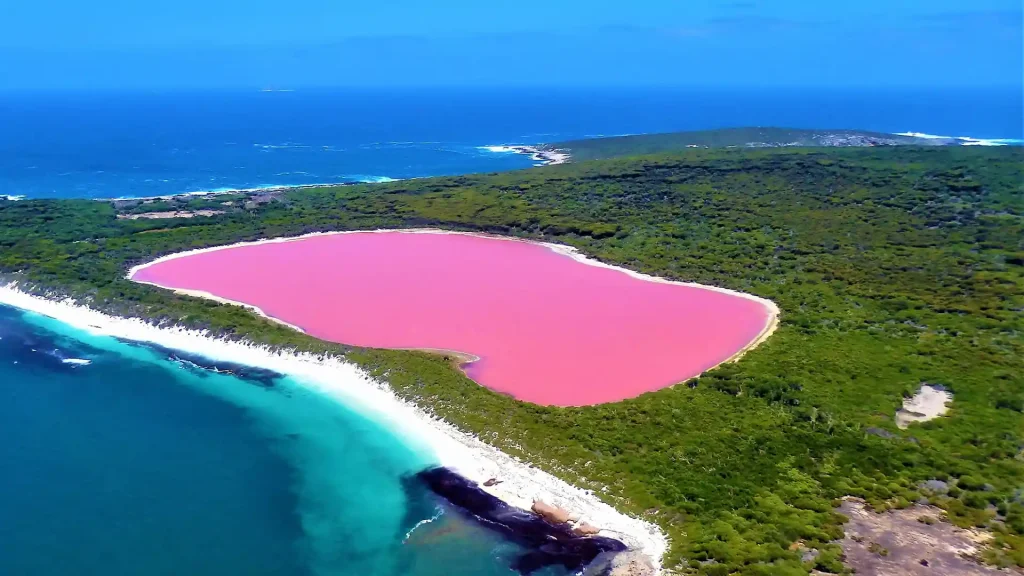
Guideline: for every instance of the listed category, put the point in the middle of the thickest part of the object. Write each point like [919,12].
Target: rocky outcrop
[545,543]
[629,563]
[552,514]
[584,529]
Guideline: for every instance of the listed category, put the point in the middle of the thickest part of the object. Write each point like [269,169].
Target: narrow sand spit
[215,298]
[521,483]
[929,403]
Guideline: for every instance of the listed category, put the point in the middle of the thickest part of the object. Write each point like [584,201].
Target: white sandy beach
[521,484]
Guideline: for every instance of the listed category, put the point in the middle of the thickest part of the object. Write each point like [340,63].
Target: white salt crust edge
[351,386]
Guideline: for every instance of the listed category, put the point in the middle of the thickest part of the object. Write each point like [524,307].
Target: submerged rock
[910,542]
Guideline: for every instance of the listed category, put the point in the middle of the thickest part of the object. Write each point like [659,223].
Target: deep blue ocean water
[146,144]
[140,463]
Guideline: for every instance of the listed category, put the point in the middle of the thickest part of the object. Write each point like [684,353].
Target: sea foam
[965,140]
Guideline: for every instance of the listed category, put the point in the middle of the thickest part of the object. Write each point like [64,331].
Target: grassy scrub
[893,267]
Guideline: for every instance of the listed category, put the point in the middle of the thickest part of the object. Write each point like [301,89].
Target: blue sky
[218,43]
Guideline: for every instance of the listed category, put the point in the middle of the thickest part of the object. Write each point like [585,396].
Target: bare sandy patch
[929,403]
[169,214]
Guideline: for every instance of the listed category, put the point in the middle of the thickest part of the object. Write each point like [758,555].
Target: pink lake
[547,328]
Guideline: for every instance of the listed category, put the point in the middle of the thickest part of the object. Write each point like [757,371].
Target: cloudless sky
[195,43]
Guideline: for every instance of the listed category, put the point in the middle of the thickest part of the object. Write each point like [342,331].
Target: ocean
[104,145]
[128,459]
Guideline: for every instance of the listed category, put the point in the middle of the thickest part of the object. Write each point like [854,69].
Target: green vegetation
[599,148]
[197,202]
[892,266]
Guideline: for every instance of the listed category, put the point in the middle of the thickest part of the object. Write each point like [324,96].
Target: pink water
[547,329]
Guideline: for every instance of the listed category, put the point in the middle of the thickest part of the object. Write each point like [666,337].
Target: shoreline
[458,359]
[538,153]
[963,140]
[461,358]
[253,190]
[521,484]
[543,154]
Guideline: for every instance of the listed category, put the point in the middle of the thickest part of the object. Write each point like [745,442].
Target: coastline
[962,140]
[254,190]
[540,153]
[521,484]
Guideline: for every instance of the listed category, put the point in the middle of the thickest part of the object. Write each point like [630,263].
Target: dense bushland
[893,267]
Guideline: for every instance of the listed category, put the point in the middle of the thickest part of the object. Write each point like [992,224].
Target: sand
[929,403]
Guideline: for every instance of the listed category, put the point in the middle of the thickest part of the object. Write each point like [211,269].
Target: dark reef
[202,365]
[29,345]
[547,544]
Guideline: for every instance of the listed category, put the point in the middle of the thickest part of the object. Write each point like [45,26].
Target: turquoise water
[143,463]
